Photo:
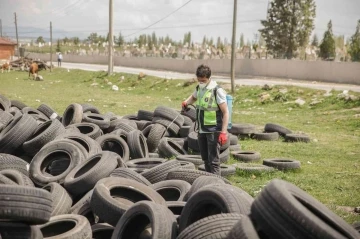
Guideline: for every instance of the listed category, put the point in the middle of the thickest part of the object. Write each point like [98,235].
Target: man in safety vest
[212,117]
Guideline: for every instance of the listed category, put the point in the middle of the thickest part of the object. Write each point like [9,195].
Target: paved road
[238,81]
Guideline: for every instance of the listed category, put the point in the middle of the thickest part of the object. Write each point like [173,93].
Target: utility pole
[0,28]
[233,48]
[51,47]
[111,39]
[17,37]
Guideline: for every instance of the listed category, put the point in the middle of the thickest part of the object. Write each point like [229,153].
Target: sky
[212,18]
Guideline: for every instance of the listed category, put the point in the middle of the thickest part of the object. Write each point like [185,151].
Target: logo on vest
[206,100]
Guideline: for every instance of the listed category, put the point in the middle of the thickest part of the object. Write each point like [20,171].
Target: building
[7,48]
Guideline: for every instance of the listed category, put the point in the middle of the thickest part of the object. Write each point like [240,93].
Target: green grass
[330,166]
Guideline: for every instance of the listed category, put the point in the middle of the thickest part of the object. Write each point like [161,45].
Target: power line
[160,19]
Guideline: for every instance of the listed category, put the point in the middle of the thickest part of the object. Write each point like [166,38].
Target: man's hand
[184,104]
[222,138]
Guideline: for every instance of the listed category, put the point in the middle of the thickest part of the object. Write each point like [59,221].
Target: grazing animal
[34,68]
[5,67]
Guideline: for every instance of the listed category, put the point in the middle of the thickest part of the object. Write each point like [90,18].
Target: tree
[120,40]
[211,42]
[93,37]
[40,39]
[327,46]
[242,41]
[219,44]
[187,38]
[75,40]
[315,41]
[261,41]
[288,26]
[204,41]
[58,48]
[354,50]
[154,39]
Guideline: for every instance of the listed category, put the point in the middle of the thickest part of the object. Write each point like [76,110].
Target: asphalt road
[238,81]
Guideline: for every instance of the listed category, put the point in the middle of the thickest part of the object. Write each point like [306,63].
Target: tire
[195,159]
[186,165]
[190,176]
[253,168]
[146,131]
[115,144]
[130,174]
[5,118]
[238,129]
[143,216]
[7,181]
[356,225]
[82,207]
[187,121]
[102,231]
[145,163]
[243,229]
[190,112]
[169,114]
[18,104]
[121,133]
[154,155]
[171,127]
[145,115]
[155,135]
[224,155]
[201,182]
[130,117]
[233,139]
[61,200]
[59,166]
[270,127]
[283,210]
[73,114]
[8,161]
[25,204]
[48,111]
[235,147]
[49,153]
[142,124]
[246,156]
[216,226]
[83,178]
[125,125]
[18,230]
[89,129]
[17,177]
[137,145]
[176,207]
[89,108]
[91,146]
[225,170]
[282,164]
[100,120]
[193,141]
[68,226]
[172,190]
[219,200]
[34,112]
[169,148]
[266,136]
[297,138]
[108,190]
[184,131]
[16,133]
[43,134]
[5,103]
[159,173]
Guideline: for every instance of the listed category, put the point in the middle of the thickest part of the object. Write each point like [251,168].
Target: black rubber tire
[8,161]
[145,163]
[121,133]
[18,230]
[130,174]
[49,153]
[115,144]
[244,228]
[201,182]
[100,120]
[273,136]
[5,118]
[142,124]
[125,125]
[238,129]
[356,225]
[34,112]
[5,103]
[68,226]
[156,133]
[253,168]
[187,165]
[190,112]
[159,173]
[169,148]
[176,207]
[154,155]
[172,190]
[215,226]
[7,181]
[224,155]
[283,210]
[90,108]
[143,215]
[193,141]
[219,200]
[145,115]
[137,145]
[17,177]
[184,131]
[225,170]
[270,127]
[169,114]
[108,190]
[130,117]
[90,145]
[233,139]
[73,114]
[190,176]
[48,111]
[246,156]
[172,128]
[89,129]
[59,166]
[195,159]
[187,121]
[236,147]
[297,138]
[83,178]
[282,163]
[61,200]
[102,231]
[16,133]
[43,134]
[25,204]
[82,207]
[18,104]
[146,131]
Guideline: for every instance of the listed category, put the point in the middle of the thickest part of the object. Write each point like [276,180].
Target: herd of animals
[33,69]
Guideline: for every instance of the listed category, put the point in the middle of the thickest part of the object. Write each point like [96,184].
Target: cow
[5,67]
[34,68]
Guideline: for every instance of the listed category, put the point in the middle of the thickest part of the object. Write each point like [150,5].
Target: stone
[283,90]
[315,102]
[115,88]
[300,102]
[141,75]
[267,87]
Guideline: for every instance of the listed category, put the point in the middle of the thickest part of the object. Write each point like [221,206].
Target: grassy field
[330,163]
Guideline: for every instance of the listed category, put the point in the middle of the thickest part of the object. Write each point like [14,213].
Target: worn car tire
[169,148]
[243,228]
[157,131]
[271,136]
[137,145]
[172,190]
[225,170]
[159,173]
[61,200]
[282,163]
[89,129]
[297,138]
[102,121]
[190,176]
[195,159]
[201,182]
[145,163]
[115,144]
[73,114]
[246,156]
[270,127]
[130,174]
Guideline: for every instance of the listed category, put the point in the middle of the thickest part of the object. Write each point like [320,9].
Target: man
[212,117]
[60,57]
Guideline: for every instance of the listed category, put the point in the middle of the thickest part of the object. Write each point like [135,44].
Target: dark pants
[59,62]
[210,151]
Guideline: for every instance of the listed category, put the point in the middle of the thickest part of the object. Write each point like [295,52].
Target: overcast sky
[202,17]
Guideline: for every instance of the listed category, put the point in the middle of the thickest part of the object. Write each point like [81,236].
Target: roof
[4,41]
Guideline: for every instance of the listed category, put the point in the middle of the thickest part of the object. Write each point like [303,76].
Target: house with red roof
[7,48]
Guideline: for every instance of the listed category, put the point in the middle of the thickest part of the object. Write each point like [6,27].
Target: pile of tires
[90,175]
